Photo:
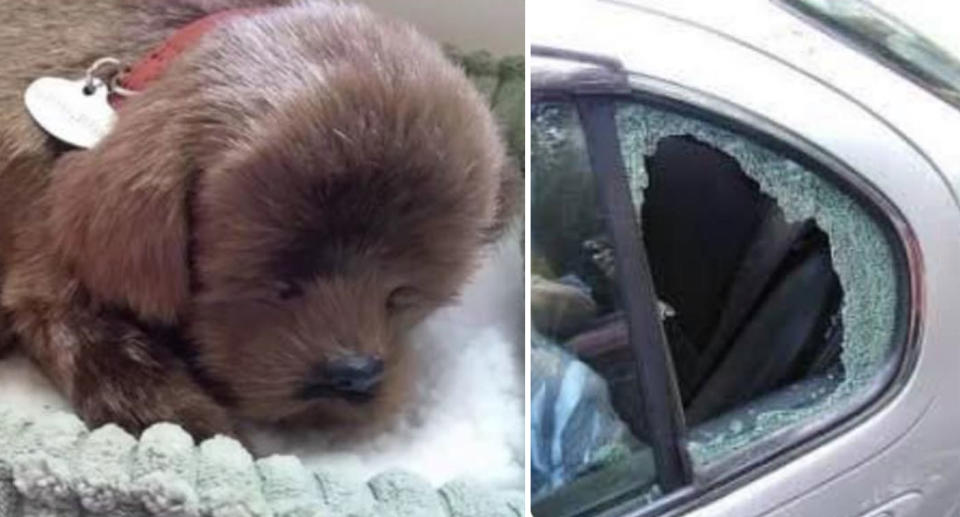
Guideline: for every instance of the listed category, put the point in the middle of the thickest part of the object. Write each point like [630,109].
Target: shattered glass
[588,449]
[861,257]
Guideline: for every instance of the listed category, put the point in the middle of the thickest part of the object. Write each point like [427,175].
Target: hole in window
[778,295]
[754,300]
[797,307]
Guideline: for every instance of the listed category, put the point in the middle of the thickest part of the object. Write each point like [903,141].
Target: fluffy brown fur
[304,185]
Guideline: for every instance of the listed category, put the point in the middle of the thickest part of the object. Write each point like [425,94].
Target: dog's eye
[402,297]
[287,290]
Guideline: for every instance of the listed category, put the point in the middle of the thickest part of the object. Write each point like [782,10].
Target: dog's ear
[118,218]
[509,200]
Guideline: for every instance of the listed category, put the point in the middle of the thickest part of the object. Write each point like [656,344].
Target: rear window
[888,40]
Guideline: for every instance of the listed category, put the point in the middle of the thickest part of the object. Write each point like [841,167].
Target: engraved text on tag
[69,112]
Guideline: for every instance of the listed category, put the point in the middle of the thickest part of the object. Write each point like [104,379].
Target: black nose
[351,377]
[355,374]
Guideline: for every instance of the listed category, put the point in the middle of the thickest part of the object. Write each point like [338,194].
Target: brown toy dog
[261,226]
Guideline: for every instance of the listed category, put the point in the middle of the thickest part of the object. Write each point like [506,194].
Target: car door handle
[905,505]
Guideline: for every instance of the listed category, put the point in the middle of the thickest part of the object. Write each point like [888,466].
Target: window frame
[659,395]
[579,78]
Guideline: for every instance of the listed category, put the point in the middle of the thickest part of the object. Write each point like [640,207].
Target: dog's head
[295,229]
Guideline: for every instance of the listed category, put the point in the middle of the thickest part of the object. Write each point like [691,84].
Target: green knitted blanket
[52,465]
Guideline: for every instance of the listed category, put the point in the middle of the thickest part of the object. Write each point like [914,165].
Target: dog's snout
[351,377]
[357,374]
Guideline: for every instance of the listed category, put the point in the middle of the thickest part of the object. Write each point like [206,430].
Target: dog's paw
[136,400]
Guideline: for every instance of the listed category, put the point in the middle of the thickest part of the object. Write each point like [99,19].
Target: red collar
[151,67]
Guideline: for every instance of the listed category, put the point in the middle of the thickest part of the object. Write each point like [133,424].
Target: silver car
[744,235]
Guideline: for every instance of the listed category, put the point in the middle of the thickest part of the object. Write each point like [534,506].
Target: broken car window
[778,294]
[783,288]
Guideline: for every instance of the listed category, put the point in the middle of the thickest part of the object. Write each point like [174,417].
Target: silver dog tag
[70,113]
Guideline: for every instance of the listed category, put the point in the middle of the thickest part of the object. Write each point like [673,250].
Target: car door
[892,449]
